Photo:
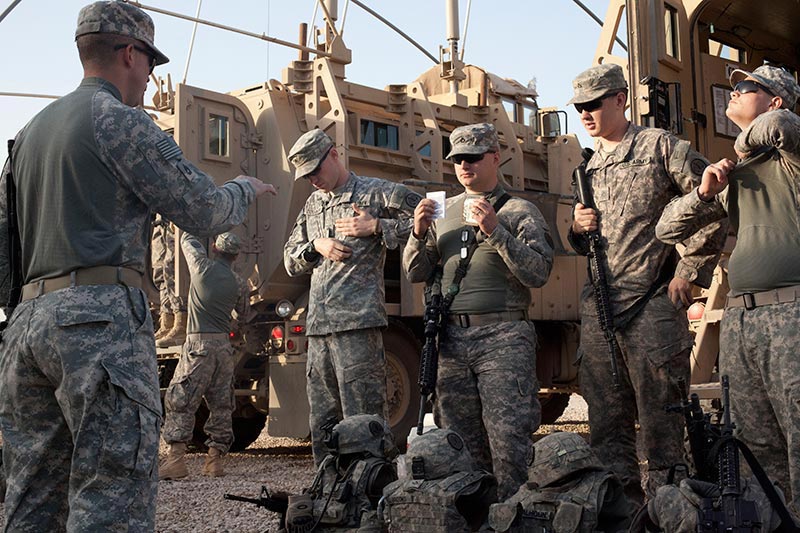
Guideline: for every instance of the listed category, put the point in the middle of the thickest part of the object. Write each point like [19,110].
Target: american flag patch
[168,149]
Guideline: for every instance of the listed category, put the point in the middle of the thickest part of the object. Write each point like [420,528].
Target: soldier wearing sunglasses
[633,174]
[760,326]
[486,385]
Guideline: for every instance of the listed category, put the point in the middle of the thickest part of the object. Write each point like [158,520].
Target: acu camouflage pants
[759,352]
[655,349]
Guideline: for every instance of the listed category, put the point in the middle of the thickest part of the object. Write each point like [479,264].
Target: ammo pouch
[457,503]
[572,507]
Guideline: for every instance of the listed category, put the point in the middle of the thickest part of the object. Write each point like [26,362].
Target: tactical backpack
[445,492]
[567,491]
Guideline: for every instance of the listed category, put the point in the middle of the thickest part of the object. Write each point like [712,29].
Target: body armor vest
[573,507]
[452,504]
[340,498]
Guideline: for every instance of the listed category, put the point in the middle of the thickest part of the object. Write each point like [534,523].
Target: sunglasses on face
[593,105]
[468,158]
[750,86]
[319,165]
[146,52]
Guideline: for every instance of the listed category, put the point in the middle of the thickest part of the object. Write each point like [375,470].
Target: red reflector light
[298,329]
[231,335]
[290,345]
[276,333]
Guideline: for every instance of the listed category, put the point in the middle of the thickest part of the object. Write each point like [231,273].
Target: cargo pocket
[130,445]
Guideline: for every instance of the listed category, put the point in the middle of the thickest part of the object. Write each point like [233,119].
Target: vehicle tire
[402,390]
[246,429]
[553,406]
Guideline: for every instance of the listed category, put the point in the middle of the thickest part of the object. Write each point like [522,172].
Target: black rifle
[597,269]
[703,435]
[729,512]
[429,363]
[277,503]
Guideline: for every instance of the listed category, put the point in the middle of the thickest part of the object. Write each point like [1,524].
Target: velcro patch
[697,166]
[412,199]
[169,149]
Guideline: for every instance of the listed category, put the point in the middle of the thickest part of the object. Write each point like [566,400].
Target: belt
[484,319]
[206,336]
[98,275]
[751,300]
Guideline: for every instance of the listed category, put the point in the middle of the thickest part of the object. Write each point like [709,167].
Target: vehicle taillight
[290,345]
[276,333]
[298,329]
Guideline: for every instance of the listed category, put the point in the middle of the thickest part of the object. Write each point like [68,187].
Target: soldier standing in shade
[486,386]
[340,238]
[172,316]
[759,330]
[205,369]
[79,402]
[633,174]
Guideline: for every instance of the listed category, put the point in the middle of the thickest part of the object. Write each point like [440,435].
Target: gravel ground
[195,504]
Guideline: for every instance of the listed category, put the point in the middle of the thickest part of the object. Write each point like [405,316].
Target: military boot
[213,466]
[177,334]
[165,323]
[174,464]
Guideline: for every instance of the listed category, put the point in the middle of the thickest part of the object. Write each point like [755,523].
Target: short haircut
[98,48]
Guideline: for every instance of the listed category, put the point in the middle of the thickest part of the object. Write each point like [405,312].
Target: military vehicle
[398,133]
[680,55]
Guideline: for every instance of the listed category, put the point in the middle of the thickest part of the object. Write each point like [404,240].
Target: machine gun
[597,269]
[728,512]
[702,436]
[429,363]
[277,503]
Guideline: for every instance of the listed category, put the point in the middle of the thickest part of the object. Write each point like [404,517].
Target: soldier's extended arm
[152,166]
[420,256]
[526,246]
[194,252]
[686,215]
[242,308]
[398,218]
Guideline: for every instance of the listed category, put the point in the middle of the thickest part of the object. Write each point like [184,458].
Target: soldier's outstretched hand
[332,249]
[715,179]
[361,225]
[261,187]
[680,292]
[423,216]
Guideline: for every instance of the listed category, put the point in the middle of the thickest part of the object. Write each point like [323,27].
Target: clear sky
[549,40]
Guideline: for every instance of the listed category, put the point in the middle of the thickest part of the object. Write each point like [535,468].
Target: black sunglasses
[750,86]
[145,51]
[319,165]
[468,158]
[593,105]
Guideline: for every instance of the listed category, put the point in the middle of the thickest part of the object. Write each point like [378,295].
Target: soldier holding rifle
[632,176]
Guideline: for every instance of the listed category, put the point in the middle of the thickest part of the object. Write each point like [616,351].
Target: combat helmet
[362,434]
[558,456]
[438,454]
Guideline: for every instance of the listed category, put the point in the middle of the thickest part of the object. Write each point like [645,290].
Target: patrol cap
[120,18]
[473,139]
[308,151]
[596,82]
[228,243]
[778,81]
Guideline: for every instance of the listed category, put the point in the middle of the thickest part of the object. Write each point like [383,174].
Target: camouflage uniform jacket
[762,201]
[214,292]
[520,245]
[630,187]
[85,196]
[347,295]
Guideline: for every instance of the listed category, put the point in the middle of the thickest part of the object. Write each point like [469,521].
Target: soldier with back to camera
[205,368]
[340,238]
[633,174]
[486,386]
[79,400]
